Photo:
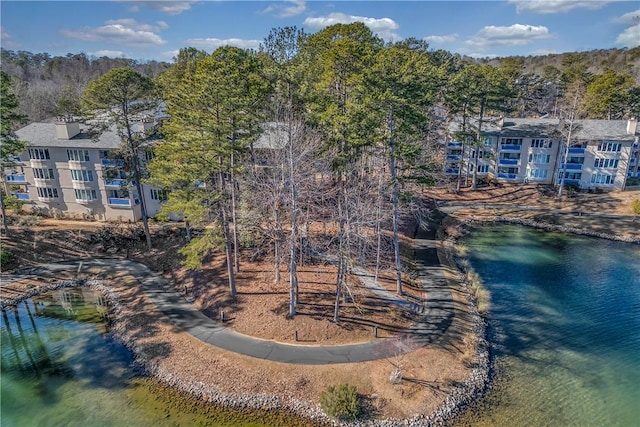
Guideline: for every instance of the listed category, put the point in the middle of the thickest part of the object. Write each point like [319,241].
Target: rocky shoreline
[454,404]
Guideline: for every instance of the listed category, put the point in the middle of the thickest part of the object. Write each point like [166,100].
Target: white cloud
[7,41]
[109,53]
[169,54]
[213,43]
[121,31]
[287,8]
[168,7]
[482,55]
[629,37]
[514,35]
[382,26]
[556,6]
[631,18]
[449,38]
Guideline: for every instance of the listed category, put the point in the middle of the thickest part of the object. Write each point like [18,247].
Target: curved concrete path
[437,310]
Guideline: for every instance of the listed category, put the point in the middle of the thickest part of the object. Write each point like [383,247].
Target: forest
[316,144]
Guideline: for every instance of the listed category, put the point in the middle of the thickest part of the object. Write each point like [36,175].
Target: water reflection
[565,320]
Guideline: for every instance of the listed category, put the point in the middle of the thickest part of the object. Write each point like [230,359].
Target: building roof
[615,130]
[44,135]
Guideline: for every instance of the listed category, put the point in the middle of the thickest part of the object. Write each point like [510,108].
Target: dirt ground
[261,306]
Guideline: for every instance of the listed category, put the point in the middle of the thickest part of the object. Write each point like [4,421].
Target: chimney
[67,128]
[146,124]
[632,125]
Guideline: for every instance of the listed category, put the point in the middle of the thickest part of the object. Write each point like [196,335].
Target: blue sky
[146,30]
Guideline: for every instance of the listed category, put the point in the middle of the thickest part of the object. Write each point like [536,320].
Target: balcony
[16,178]
[572,166]
[116,201]
[452,171]
[509,147]
[21,196]
[454,157]
[115,182]
[508,175]
[112,163]
[571,181]
[509,162]
[576,151]
[454,144]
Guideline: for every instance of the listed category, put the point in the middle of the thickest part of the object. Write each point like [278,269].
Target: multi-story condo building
[592,154]
[64,172]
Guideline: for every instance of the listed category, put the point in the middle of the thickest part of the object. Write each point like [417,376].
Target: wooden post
[222,316]
[296,336]
[375,332]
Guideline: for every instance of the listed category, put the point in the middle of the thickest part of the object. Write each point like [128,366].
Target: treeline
[42,81]
[312,145]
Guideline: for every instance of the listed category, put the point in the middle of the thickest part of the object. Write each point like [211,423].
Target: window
[48,192]
[104,154]
[81,175]
[540,143]
[598,178]
[78,155]
[503,169]
[606,163]
[118,194]
[538,173]
[488,141]
[509,156]
[575,160]
[539,158]
[482,154]
[43,174]
[158,195]
[573,175]
[39,154]
[86,195]
[147,155]
[609,146]
[511,141]
[483,168]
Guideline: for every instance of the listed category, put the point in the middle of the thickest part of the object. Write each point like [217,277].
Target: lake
[60,367]
[565,327]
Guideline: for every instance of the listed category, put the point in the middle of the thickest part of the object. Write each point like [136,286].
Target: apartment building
[599,154]
[64,172]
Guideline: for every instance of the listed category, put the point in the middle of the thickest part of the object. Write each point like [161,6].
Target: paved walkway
[437,310]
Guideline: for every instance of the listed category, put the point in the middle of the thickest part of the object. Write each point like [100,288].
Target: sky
[156,30]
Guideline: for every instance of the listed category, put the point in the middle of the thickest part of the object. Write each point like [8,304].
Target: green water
[59,368]
[565,320]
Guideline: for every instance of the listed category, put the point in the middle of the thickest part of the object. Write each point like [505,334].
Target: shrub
[13,203]
[635,207]
[341,401]
[5,257]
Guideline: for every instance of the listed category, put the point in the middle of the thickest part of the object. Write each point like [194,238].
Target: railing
[569,181]
[116,201]
[508,162]
[454,144]
[110,162]
[508,175]
[576,150]
[21,196]
[452,171]
[115,182]
[16,178]
[454,157]
[572,166]
[509,147]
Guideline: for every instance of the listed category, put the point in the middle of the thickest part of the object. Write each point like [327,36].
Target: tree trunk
[5,225]
[395,195]
[474,182]
[293,238]
[227,238]
[236,243]
[135,162]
